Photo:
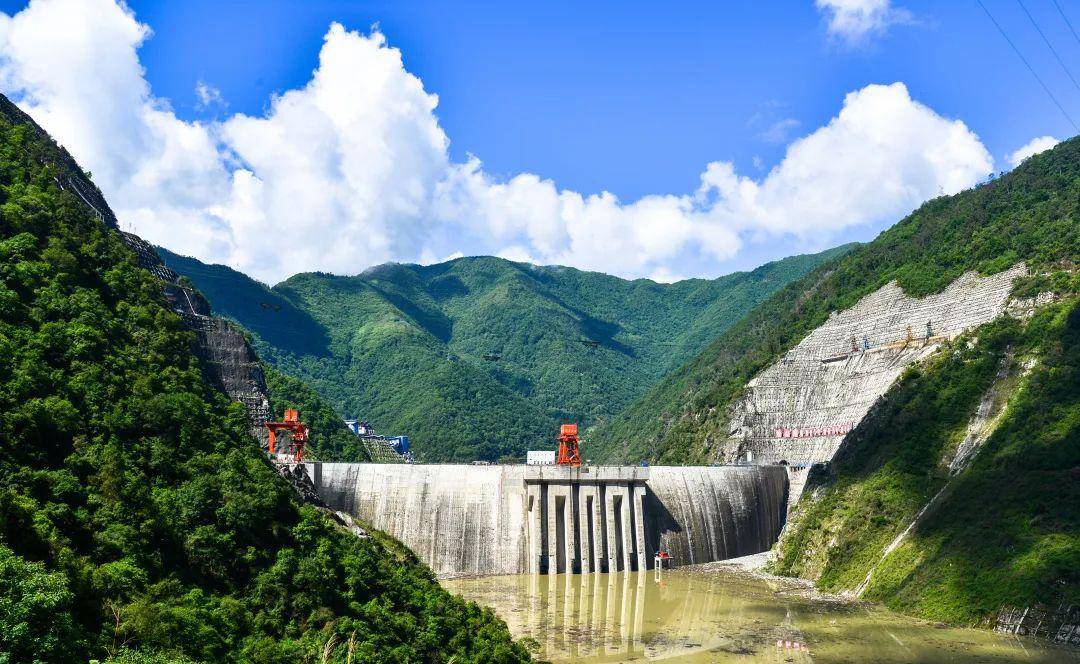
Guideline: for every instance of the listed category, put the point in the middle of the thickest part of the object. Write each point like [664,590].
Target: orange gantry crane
[569,454]
[291,423]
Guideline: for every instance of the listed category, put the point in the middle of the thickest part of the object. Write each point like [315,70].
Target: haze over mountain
[481,357]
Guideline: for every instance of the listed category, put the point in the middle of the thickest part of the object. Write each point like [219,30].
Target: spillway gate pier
[583,519]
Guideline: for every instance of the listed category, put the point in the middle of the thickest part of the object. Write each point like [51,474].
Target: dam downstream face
[465,520]
[694,616]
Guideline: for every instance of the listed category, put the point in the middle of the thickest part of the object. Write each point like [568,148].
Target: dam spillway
[484,520]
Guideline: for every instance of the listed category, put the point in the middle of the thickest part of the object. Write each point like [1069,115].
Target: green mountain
[1029,214]
[139,519]
[483,357]
[1007,530]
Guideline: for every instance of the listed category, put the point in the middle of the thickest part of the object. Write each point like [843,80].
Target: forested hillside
[137,513]
[482,357]
[1030,214]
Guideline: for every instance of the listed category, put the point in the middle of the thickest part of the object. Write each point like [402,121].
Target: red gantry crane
[568,446]
[292,424]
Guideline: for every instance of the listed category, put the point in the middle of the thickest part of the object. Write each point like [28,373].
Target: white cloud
[779,131]
[853,21]
[353,168]
[664,275]
[1032,147]
[879,158]
[208,96]
[158,172]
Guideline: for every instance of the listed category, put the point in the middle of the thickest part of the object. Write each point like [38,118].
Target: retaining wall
[800,409]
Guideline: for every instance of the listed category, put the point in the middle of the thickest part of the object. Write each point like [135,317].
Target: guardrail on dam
[483,520]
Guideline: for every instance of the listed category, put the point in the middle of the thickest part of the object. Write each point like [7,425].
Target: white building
[540,458]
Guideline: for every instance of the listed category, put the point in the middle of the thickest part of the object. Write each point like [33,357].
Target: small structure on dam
[483,520]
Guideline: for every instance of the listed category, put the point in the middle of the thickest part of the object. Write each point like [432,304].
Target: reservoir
[722,616]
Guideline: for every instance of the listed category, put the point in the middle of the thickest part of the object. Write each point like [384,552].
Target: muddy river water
[696,616]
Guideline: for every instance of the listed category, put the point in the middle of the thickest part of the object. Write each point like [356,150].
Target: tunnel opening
[635,554]
[545,545]
[575,516]
[604,528]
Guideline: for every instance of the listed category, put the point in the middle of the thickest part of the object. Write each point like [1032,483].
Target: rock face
[483,520]
[800,409]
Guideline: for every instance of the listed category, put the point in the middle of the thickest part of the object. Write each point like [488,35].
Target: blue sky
[621,96]
[611,97]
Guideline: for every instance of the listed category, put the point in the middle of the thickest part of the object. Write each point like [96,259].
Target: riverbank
[752,567]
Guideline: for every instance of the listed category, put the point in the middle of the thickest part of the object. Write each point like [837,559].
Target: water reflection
[711,617]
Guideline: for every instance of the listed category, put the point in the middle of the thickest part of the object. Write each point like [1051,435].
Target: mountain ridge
[1028,214]
[529,345]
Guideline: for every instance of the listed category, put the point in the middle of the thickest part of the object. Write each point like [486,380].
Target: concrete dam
[485,520]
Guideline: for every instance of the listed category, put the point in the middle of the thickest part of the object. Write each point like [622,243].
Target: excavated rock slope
[800,409]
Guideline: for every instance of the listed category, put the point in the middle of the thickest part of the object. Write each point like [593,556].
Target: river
[697,616]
